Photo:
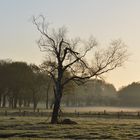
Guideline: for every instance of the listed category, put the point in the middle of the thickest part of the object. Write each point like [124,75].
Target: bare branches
[79,57]
[49,67]
[104,61]
[70,55]
[42,27]
[46,42]
[109,59]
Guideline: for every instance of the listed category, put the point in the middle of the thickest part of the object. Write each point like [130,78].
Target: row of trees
[21,84]
[96,93]
[130,95]
[100,93]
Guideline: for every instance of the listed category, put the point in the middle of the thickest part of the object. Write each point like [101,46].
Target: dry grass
[37,128]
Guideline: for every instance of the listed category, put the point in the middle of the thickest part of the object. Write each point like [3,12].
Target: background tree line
[21,84]
[26,85]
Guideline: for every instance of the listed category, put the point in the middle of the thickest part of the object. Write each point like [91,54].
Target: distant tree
[96,92]
[110,94]
[70,55]
[21,84]
[19,77]
[36,85]
[69,90]
[48,87]
[4,81]
[130,95]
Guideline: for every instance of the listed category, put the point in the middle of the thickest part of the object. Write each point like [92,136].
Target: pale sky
[104,19]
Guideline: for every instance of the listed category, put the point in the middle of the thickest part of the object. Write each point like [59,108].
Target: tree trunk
[34,101]
[47,101]
[47,95]
[11,102]
[15,102]
[58,95]
[28,103]
[47,104]
[35,105]
[51,103]
[20,103]
[25,103]
[0,100]
[58,89]
[4,101]
[54,119]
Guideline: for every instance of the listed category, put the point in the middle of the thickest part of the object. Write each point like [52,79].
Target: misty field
[37,128]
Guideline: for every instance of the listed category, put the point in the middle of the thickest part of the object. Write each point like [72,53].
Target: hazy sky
[104,19]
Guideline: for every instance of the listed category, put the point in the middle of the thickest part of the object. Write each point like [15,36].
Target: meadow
[39,128]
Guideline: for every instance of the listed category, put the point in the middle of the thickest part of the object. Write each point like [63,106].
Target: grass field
[38,128]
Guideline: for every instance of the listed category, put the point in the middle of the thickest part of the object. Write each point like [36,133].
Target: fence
[42,113]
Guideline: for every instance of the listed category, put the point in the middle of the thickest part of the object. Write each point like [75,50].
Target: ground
[38,128]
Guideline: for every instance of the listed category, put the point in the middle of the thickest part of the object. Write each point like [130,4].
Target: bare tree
[65,55]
